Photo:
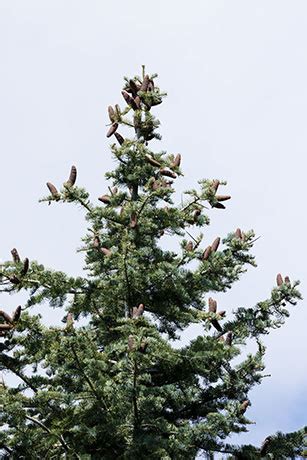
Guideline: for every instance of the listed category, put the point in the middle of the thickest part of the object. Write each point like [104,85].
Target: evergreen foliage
[118,388]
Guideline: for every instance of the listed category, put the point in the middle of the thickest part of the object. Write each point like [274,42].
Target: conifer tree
[117,387]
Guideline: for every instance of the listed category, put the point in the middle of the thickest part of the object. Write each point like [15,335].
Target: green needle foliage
[118,388]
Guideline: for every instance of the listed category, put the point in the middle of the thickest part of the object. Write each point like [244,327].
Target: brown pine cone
[264,446]
[207,253]
[15,255]
[177,161]
[134,88]
[106,251]
[244,406]
[189,246]
[215,244]
[229,338]
[196,214]
[117,109]
[72,176]
[105,199]
[5,316]
[166,183]
[133,220]
[212,305]
[222,197]
[138,311]
[152,161]
[69,321]
[6,327]
[168,173]
[112,129]
[14,280]
[143,346]
[129,100]
[96,242]
[16,314]
[151,86]
[215,184]
[238,233]
[145,83]
[221,313]
[279,280]
[111,113]
[217,325]
[25,267]
[218,205]
[155,185]
[137,101]
[53,190]
[119,138]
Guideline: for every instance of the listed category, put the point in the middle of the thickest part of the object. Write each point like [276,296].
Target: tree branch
[90,383]
[45,428]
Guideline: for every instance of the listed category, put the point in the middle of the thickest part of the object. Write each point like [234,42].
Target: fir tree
[118,388]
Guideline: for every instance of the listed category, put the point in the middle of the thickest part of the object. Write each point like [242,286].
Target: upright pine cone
[279,280]
[229,338]
[138,311]
[145,83]
[134,88]
[215,244]
[143,346]
[5,316]
[189,246]
[15,255]
[196,214]
[133,220]
[152,160]
[111,113]
[72,176]
[207,253]
[212,305]
[238,234]
[69,320]
[244,406]
[129,100]
[53,190]
[96,242]
[177,161]
[17,314]
[264,446]
[25,267]
[215,184]
[137,101]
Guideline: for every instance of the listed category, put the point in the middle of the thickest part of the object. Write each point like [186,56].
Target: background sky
[235,73]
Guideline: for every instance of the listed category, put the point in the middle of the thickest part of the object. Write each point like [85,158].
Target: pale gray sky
[235,73]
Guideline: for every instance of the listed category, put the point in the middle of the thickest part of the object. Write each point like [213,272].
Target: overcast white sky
[235,73]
